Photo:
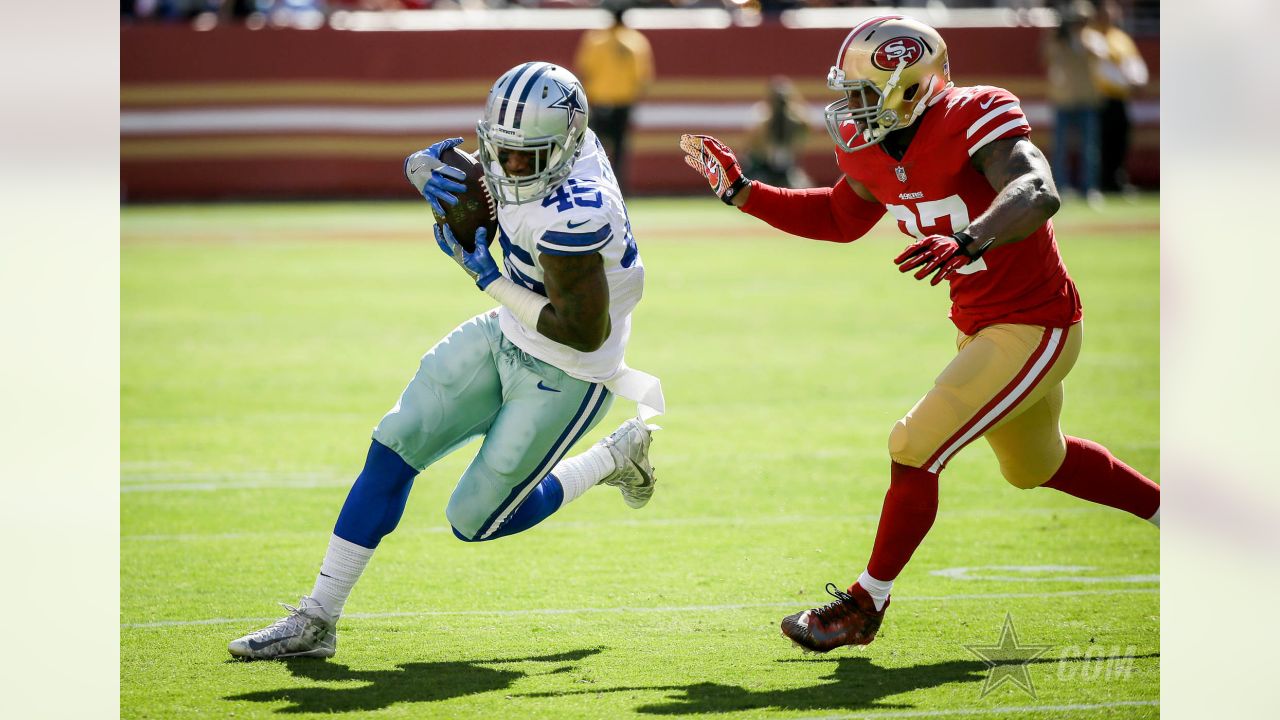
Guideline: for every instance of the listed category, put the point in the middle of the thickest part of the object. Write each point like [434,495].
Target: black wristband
[734,189]
[967,245]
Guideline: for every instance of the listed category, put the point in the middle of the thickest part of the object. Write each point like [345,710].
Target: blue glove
[434,179]
[478,263]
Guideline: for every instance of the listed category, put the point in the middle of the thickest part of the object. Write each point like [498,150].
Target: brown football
[475,208]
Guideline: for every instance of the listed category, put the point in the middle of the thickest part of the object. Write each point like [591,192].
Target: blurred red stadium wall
[238,113]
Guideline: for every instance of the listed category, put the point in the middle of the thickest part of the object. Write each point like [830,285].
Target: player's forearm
[1018,210]
[834,214]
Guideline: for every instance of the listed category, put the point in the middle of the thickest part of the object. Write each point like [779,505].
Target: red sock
[910,506]
[1090,472]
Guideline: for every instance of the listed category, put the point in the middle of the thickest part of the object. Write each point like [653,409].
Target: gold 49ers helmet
[888,68]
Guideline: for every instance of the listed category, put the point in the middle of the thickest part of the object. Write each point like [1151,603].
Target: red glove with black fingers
[944,254]
[715,162]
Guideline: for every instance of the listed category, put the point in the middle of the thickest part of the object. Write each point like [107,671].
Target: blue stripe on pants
[546,498]
[582,420]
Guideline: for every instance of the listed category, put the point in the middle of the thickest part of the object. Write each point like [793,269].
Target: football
[475,208]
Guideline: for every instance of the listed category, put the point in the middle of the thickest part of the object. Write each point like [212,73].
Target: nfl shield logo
[901,172]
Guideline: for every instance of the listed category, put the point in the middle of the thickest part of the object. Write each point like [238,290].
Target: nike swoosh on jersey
[573,225]
[987,104]
[544,387]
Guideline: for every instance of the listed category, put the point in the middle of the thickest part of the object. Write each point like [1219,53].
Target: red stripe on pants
[946,448]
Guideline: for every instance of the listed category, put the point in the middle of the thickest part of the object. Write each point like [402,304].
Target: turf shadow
[406,683]
[853,684]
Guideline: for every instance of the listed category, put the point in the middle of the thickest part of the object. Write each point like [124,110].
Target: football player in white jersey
[531,376]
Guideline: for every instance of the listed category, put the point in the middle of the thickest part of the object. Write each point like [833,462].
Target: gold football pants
[1005,384]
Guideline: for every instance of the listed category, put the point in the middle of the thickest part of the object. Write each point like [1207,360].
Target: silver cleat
[633,475]
[307,631]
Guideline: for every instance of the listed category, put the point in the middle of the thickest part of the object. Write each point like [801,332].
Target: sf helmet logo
[905,51]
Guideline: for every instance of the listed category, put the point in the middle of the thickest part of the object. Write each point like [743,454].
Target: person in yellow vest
[1118,72]
[616,68]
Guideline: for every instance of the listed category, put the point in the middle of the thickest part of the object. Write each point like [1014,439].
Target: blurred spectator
[1075,100]
[780,127]
[774,8]
[166,9]
[367,5]
[1118,72]
[615,66]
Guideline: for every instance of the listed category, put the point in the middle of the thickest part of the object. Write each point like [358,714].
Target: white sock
[339,572]
[1155,519]
[580,473]
[877,589]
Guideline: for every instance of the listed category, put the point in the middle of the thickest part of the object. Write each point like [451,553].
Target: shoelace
[295,613]
[843,605]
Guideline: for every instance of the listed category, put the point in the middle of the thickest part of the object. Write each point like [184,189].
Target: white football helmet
[889,69]
[539,108]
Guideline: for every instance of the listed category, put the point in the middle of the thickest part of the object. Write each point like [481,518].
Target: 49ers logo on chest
[905,51]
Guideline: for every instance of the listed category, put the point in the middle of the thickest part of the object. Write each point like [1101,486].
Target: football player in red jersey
[956,168]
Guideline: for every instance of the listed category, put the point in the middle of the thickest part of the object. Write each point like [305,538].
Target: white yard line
[135,478]
[588,524]
[1080,707]
[657,610]
[188,481]
[215,486]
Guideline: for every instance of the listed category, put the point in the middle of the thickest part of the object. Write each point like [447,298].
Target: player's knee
[1023,477]
[462,516]
[462,520]
[406,426]
[473,502]
[395,427]
[1022,481]
[902,449]
[463,537]
[1026,469]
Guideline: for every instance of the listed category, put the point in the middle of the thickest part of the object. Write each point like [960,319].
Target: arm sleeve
[834,214]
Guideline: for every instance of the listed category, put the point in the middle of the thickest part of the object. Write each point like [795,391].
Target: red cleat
[851,620]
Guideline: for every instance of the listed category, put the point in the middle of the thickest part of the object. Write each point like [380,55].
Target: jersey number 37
[925,217]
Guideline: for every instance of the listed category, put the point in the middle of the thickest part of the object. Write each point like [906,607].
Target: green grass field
[261,343]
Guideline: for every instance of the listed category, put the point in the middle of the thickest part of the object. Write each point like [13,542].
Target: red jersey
[934,190]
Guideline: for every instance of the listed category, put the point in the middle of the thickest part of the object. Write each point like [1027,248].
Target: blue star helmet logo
[569,102]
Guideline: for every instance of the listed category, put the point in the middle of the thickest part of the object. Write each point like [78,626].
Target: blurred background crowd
[232,87]
[1143,13]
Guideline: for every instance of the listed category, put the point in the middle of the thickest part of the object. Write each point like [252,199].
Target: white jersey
[584,215]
